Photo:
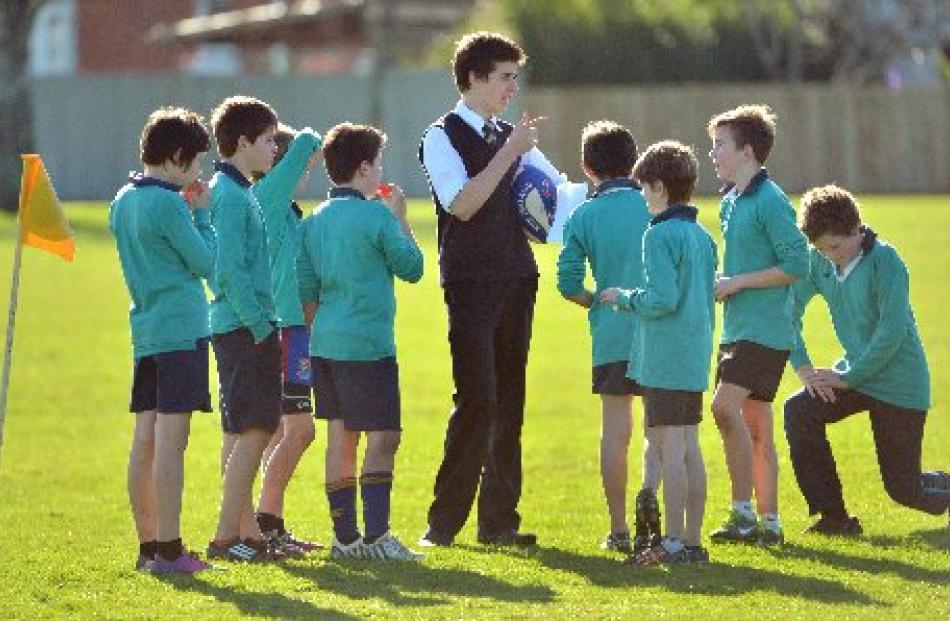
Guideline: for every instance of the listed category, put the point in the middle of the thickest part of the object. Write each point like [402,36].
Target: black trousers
[489,337]
[897,437]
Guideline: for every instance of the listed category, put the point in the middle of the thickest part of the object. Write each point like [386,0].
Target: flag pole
[11,322]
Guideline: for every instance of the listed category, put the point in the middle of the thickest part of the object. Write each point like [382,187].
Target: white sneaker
[388,548]
[356,549]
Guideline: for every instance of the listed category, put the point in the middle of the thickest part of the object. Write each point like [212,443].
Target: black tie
[490,133]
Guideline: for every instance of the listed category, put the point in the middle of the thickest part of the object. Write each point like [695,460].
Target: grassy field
[68,543]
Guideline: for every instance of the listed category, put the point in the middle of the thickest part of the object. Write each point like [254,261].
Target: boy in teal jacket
[884,371]
[351,248]
[296,155]
[671,355]
[243,321]
[764,253]
[166,247]
[606,232]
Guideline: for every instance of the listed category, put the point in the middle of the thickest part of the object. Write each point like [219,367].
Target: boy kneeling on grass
[351,247]
[884,371]
[673,346]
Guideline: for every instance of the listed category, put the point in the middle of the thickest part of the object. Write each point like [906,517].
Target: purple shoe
[184,564]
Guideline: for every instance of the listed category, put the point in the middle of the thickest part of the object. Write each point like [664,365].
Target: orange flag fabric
[43,224]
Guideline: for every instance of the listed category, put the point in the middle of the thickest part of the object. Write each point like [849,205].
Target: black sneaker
[618,542]
[508,538]
[836,527]
[432,538]
[696,555]
[647,526]
[243,551]
[657,555]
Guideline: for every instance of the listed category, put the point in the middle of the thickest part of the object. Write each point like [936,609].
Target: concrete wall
[88,128]
[869,139]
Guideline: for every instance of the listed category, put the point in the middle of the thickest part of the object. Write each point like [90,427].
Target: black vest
[491,245]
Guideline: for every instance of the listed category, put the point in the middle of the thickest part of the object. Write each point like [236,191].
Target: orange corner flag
[43,224]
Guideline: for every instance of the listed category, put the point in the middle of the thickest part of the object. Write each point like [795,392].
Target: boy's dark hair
[284,136]
[479,52]
[347,146]
[752,125]
[608,150]
[829,210]
[238,116]
[170,131]
[674,164]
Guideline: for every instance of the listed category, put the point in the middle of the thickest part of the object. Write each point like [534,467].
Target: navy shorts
[364,394]
[611,379]
[248,380]
[669,408]
[174,382]
[295,370]
[755,367]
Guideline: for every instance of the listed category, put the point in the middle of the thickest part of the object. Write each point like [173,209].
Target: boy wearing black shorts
[243,321]
[166,247]
[764,253]
[351,248]
[672,349]
[606,232]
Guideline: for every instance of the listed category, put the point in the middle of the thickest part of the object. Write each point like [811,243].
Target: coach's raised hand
[524,136]
[473,195]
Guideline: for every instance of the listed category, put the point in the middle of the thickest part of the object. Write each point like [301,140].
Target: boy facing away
[351,248]
[671,355]
[166,246]
[764,253]
[606,232]
[297,153]
[884,371]
[245,338]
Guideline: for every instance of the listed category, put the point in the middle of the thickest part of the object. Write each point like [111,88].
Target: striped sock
[342,497]
[376,490]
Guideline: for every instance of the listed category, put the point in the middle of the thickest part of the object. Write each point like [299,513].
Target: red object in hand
[385,190]
[191,190]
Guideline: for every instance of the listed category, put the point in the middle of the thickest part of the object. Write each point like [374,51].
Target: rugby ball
[535,202]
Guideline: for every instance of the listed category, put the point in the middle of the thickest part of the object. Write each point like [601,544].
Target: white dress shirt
[445,167]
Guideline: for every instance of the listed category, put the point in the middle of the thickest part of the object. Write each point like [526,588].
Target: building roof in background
[411,23]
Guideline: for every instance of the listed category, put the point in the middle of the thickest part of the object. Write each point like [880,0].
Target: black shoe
[432,538]
[647,516]
[836,527]
[509,538]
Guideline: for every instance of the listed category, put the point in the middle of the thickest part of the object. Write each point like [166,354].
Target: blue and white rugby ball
[535,202]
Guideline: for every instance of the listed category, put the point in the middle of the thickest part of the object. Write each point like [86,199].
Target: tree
[16,114]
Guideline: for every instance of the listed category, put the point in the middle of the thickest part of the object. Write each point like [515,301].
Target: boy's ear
[589,174]
[176,159]
[243,142]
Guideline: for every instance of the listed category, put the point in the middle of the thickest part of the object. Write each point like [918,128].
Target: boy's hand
[830,378]
[816,390]
[610,295]
[524,136]
[394,198]
[196,195]
[726,286]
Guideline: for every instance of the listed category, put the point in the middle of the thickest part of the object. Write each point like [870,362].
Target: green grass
[67,539]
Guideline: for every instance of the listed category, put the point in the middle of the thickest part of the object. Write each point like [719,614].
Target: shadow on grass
[712,579]
[270,605]
[936,538]
[907,571]
[413,584]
